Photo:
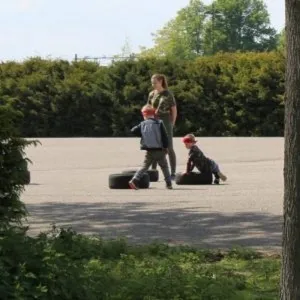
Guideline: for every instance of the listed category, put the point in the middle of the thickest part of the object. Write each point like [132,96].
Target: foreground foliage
[13,164]
[65,265]
[222,95]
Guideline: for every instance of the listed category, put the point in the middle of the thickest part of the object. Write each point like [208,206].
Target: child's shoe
[133,183]
[169,186]
[217,181]
[222,176]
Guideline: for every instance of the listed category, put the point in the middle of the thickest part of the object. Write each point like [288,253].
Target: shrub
[236,94]
[13,163]
[64,265]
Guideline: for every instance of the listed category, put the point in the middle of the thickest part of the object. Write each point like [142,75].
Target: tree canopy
[224,25]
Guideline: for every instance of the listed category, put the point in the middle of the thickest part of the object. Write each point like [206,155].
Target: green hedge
[223,95]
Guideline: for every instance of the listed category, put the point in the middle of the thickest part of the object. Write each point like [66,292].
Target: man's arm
[136,130]
[164,136]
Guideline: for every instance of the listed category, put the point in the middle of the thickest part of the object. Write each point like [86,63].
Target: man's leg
[163,163]
[133,183]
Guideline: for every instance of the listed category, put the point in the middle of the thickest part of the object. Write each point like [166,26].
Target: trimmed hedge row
[222,95]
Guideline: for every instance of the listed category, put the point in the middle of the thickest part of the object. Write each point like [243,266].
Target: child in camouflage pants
[154,140]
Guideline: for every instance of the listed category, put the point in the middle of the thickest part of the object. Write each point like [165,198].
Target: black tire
[120,181]
[153,174]
[193,178]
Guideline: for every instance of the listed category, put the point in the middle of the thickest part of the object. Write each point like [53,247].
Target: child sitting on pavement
[154,140]
[200,161]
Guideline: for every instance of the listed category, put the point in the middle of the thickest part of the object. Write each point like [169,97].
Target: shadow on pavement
[140,223]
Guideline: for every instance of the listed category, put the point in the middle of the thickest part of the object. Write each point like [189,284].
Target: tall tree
[225,25]
[239,25]
[281,41]
[290,273]
[182,36]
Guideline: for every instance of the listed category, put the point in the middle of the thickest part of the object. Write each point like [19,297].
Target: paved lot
[70,187]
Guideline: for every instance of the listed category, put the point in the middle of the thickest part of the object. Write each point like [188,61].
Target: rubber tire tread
[153,174]
[120,181]
[193,178]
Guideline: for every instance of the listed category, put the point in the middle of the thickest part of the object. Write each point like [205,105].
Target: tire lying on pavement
[120,181]
[153,174]
[193,178]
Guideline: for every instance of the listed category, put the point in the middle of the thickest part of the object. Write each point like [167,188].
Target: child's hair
[163,79]
[189,138]
[148,110]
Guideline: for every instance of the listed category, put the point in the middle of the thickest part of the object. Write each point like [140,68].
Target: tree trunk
[290,272]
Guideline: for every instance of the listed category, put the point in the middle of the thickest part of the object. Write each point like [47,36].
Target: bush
[64,265]
[237,94]
[13,164]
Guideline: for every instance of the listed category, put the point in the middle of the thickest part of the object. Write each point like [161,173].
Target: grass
[65,265]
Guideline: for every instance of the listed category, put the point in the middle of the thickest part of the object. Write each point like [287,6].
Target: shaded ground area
[139,224]
[69,187]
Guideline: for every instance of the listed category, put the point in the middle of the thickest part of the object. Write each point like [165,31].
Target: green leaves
[68,266]
[221,95]
[13,168]
[181,37]
[240,25]
[223,26]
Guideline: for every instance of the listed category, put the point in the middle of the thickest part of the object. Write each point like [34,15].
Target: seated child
[200,161]
[154,140]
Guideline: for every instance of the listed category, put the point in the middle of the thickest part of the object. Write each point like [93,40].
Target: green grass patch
[65,265]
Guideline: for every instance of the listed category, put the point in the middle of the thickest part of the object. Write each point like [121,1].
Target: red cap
[189,139]
[148,110]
